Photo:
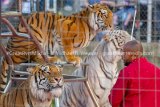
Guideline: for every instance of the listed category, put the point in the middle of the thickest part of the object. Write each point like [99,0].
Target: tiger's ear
[44,68]
[90,7]
[30,70]
[60,67]
[104,11]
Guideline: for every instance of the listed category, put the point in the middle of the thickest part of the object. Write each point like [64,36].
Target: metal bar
[89,88]
[75,80]
[91,93]
[134,19]
[68,64]
[13,31]
[28,64]
[45,7]
[5,36]
[37,5]
[8,86]
[21,72]
[9,25]
[10,34]
[10,65]
[55,6]
[149,21]
[63,64]
[19,78]
[7,56]
[57,102]
[20,6]
[10,14]
[67,78]
[71,78]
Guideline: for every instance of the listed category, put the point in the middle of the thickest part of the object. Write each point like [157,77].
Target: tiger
[101,73]
[57,34]
[44,83]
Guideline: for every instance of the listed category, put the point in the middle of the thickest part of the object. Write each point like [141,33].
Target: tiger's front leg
[69,32]
[69,52]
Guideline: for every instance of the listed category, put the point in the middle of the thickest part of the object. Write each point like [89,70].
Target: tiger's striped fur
[55,33]
[44,83]
[101,73]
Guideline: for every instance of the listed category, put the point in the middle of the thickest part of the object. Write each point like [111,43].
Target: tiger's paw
[76,61]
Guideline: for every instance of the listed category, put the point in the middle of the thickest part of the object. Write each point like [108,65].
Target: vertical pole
[149,21]
[56,102]
[8,85]
[45,7]
[51,5]
[134,20]
[11,66]
[37,5]
[19,6]
[55,6]
[89,88]
[91,93]
[31,5]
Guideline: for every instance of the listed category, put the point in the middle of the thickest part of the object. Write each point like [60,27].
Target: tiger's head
[115,40]
[100,17]
[46,81]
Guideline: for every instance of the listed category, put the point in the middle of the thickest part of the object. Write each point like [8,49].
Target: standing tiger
[54,33]
[101,73]
[44,83]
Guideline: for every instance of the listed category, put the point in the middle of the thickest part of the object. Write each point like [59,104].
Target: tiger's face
[100,17]
[46,81]
[115,41]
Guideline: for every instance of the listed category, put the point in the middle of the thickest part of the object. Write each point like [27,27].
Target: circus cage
[143,27]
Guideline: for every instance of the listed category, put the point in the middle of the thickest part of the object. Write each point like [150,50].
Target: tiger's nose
[111,27]
[57,79]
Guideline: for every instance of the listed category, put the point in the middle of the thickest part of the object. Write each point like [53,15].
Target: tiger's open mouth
[102,28]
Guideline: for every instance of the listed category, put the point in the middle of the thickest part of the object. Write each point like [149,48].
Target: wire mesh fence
[146,28]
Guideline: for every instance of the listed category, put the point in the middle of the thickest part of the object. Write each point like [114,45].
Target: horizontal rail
[71,78]
[21,72]
[75,80]
[10,34]
[11,14]
[18,78]
[67,78]
[63,64]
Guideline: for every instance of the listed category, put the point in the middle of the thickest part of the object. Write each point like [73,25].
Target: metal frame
[14,33]
[134,20]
